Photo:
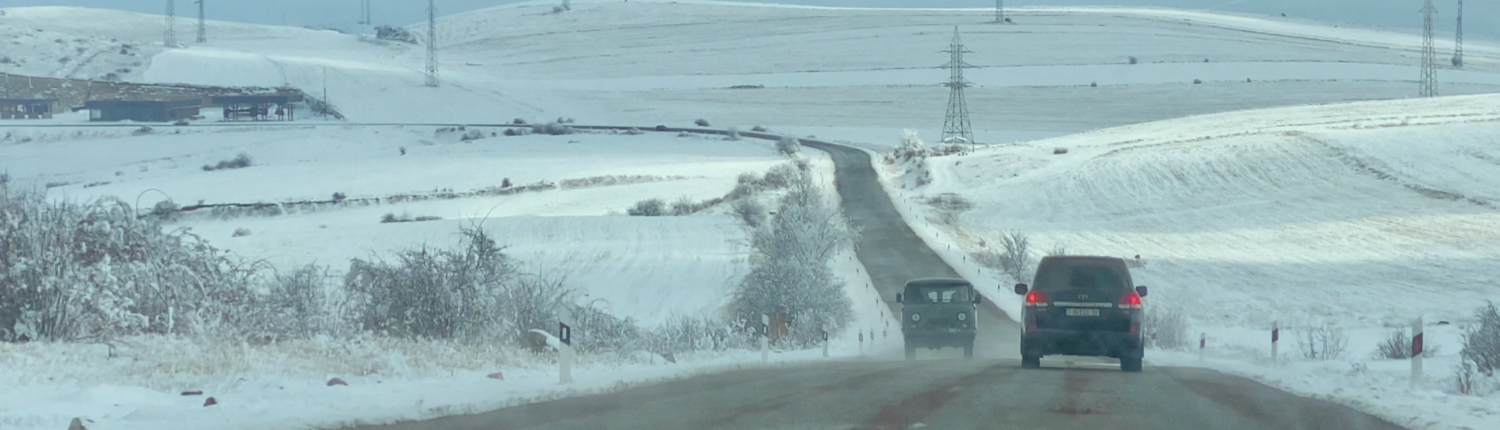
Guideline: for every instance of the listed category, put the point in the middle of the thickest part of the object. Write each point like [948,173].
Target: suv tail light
[1130,300]
[1036,299]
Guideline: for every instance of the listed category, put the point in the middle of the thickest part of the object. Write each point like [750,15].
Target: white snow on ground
[1361,215]
[844,75]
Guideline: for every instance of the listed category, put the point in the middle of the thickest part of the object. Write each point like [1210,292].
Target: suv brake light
[1130,300]
[1035,298]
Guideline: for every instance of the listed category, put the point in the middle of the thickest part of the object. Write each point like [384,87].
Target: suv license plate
[1083,312]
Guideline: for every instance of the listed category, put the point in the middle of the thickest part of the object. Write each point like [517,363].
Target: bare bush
[165,210]
[759,129]
[649,207]
[1134,60]
[241,232]
[1322,342]
[1482,340]
[750,211]
[789,146]
[1395,346]
[1167,327]
[746,185]
[297,305]
[1014,257]
[1057,251]
[470,136]
[701,122]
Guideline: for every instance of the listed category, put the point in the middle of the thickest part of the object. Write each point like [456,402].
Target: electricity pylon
[1429,52]
[956,123]
[432,62]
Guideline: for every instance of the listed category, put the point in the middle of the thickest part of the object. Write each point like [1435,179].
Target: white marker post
[1202,343]
[765,342]
[1416,351]
[565,348]
[825,343]
[1275,342]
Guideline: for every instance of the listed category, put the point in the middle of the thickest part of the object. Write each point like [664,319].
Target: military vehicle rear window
[939,294]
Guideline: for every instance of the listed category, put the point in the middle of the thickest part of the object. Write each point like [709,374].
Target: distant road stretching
[990,392]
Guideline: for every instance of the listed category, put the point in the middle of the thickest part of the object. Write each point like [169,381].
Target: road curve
[988,392]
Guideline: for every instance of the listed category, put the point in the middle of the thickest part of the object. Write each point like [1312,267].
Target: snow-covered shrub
[472,135]
[759,129]
[749,211]
[789,146]
[791,275]
[782,176]
[684,206]
[94,271]
[551,128]
[296,306]
[1482,340]
[436,293]
[1322,342]
[747,184]
[515,132]
[911,146]
[701,122]
[1134,60]
[398,34]
[734,134]
[1167,327]
[165,210]
[648,207]
[238,162]
[241,232]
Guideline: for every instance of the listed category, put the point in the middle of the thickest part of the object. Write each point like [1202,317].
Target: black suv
[938,313]
[1082,306]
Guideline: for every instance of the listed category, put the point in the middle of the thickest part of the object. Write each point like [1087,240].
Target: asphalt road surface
[938,391]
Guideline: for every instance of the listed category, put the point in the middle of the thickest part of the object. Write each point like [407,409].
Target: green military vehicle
[938,313]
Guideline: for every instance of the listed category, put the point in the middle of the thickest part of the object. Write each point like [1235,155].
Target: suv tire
[1130,364]
[1031,362]
[969,351]
[911,353]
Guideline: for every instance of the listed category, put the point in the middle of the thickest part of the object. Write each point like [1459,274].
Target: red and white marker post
[1416,351]
[1202,343]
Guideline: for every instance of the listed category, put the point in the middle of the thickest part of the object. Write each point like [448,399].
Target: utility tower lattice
[364,12]
[999,11]
[171,37]
[202,26]
[956,124]
[1458,38]
[432,62]
[1429,52]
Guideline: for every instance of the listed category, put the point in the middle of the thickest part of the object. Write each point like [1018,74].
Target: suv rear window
[950,293]
[1080,276]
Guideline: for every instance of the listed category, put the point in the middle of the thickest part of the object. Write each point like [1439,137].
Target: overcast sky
[1482,17]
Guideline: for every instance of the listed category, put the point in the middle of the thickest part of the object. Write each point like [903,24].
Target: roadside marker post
[1416,351]
[861,343]
[1275,342]
[825,343]
[765,334]
[565,349]
[1202,343]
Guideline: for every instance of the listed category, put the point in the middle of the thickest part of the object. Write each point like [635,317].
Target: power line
[171,36]
[432,63]
[956,123]
[1429,52]
[1458,39]
[202,26]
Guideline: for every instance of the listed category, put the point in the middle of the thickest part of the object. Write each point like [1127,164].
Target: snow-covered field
[1363,216]
[1342,213]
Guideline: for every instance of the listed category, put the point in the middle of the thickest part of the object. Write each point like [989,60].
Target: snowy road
[950,394]
[1067,393]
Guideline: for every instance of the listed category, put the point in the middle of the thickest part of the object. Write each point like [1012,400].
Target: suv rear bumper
[1041,342]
